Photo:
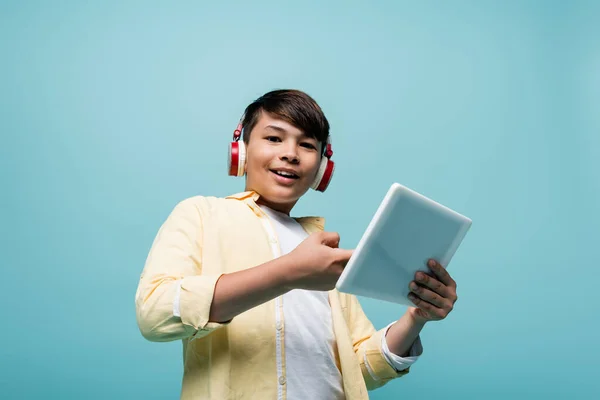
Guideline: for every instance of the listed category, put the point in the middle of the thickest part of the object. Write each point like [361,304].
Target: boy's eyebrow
[276,128]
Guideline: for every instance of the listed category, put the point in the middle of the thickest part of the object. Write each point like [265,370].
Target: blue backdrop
[112,112]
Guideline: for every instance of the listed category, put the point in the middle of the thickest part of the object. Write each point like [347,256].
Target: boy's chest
[236,240]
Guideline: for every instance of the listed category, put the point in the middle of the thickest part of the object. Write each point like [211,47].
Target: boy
[250,290]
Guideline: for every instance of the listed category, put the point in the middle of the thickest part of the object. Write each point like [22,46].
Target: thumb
[331,239]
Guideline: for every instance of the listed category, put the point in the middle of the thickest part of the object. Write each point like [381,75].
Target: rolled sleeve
[367,342]
[174,297]
[195,301]
[377,371]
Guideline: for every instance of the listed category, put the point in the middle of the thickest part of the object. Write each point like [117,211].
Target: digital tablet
[406,231]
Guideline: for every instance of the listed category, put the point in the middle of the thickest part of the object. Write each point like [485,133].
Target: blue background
[112,112]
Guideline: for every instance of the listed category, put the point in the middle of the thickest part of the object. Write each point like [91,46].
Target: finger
[424,306]
[430,296]
[432,283]
[428,308]
[343,255]
[441,273]
[331,239]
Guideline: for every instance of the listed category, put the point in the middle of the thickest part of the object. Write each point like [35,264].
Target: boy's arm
[175,300]
[403,334]
[173,297]
[240,291]
[315,264]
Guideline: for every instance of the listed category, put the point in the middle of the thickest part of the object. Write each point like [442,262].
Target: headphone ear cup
[236,162]
[242,160]
[324,175]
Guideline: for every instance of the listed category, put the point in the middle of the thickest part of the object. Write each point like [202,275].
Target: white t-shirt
[311,368]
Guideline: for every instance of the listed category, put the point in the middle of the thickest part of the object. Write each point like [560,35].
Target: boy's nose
[290,155]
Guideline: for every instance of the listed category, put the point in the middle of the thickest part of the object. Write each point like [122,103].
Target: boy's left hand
[434,294]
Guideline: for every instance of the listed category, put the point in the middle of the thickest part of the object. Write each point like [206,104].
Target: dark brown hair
[292,106]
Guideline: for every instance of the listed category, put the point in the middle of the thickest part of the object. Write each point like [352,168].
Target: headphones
[236,162]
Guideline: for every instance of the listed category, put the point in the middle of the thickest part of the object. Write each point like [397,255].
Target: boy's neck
[282,208]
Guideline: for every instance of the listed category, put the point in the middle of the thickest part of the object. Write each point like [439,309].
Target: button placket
[274,243]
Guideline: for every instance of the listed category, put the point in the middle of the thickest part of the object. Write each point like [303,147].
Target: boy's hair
[292,106]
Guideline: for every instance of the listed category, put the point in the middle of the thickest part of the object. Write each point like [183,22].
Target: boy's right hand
[317,262]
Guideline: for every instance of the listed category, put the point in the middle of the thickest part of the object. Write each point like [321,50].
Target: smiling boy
[249,290]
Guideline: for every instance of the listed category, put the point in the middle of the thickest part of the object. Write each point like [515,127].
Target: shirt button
[279,326]
[273,240]
[282,380]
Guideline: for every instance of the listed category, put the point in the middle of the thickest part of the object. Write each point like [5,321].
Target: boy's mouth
[285,173]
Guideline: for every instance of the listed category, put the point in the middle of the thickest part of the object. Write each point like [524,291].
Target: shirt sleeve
[174,297]
[397,362]
[368,346]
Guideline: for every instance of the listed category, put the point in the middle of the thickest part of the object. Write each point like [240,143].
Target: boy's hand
[317,262]
[434,294]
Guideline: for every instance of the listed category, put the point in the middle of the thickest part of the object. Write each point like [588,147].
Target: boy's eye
[309,145]
[272,138]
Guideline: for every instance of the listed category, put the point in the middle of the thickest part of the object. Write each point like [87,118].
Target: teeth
[285,173]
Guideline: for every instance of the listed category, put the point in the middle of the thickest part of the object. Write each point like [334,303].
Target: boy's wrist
[282,272]
[414,317]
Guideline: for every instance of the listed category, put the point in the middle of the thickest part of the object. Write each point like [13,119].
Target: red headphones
[237,161]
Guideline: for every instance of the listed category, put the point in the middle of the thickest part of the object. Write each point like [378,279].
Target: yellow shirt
[205,237]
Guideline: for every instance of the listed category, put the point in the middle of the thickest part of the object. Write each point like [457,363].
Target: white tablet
[406,231]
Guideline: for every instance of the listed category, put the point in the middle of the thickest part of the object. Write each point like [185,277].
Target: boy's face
[281,162]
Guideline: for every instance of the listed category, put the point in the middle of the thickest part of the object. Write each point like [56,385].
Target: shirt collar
[244,196]
[251,197]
